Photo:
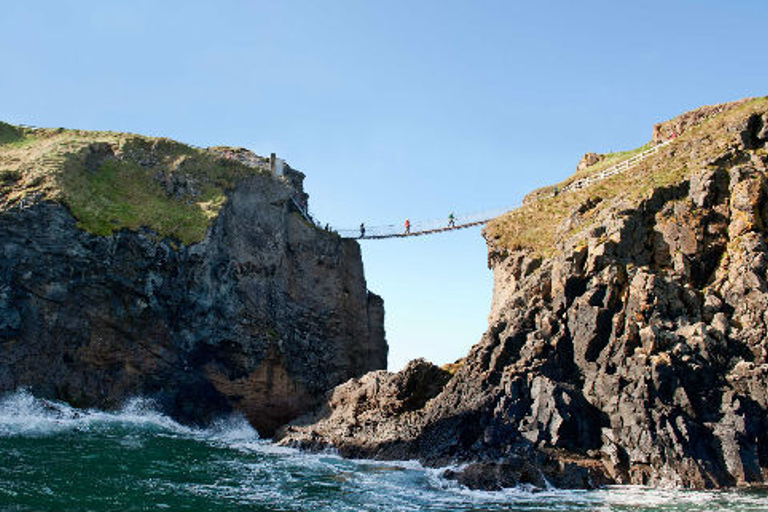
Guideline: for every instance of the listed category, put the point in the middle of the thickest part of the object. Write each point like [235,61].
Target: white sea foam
[253,470]
[22,414]
[232,430]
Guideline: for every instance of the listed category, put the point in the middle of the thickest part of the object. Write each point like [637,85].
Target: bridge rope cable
[420,228]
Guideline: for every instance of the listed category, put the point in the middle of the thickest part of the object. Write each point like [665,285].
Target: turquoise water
[55,458]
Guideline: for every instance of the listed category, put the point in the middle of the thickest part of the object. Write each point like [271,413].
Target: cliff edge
[627,335]
[137,266]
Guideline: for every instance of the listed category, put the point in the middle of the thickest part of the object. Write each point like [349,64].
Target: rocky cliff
[627,335]
[136,266]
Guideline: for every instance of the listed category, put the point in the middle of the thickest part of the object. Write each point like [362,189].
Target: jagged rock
[633,352]
[493,476]
[762,133]
[703,191]
[754,132]
[541,472]
[375,400]
[263,316]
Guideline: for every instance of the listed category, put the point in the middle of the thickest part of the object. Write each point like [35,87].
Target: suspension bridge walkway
[423,228]
[448,227]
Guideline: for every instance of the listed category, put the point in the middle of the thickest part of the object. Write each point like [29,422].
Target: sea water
[56,458]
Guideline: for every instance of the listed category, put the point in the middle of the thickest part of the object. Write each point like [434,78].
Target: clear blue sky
[392,108]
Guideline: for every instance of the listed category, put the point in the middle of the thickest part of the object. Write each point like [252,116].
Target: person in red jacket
[407,226]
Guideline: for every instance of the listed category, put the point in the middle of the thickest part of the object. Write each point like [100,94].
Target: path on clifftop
[431,227]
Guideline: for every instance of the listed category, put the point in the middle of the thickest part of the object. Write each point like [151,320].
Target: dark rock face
[637,354]
[363,415]
[529,468]
[263,316]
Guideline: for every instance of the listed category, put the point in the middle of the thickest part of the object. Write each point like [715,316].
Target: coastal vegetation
[537,225]
[112,181]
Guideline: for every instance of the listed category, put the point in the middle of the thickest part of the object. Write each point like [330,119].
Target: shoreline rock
[634,353]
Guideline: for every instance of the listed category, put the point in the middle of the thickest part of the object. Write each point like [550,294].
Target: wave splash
[24,415]
[226,466]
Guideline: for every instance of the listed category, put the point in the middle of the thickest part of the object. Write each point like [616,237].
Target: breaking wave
[56,457]
[21,414]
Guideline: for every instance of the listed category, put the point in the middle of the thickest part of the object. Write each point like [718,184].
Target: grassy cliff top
[539,225]
[113,180]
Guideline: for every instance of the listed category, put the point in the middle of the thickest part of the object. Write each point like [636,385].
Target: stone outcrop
[363,416]
[263,316]
[680,124]
[588,160]
[634,352]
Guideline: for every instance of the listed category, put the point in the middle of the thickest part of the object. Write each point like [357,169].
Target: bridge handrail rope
[423,227]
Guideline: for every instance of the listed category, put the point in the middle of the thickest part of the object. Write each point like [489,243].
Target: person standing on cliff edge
[362,230]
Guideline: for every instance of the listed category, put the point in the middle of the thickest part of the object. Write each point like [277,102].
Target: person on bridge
[407,226]
[362,230]
[451,221]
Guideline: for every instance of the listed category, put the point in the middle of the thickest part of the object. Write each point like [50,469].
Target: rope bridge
[455,222]
[421,228]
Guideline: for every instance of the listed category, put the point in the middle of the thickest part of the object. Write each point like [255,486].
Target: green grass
[607,161]
[121,189]
[10,134]
[611,159]
[124,195]
[537,226]
[15,137]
